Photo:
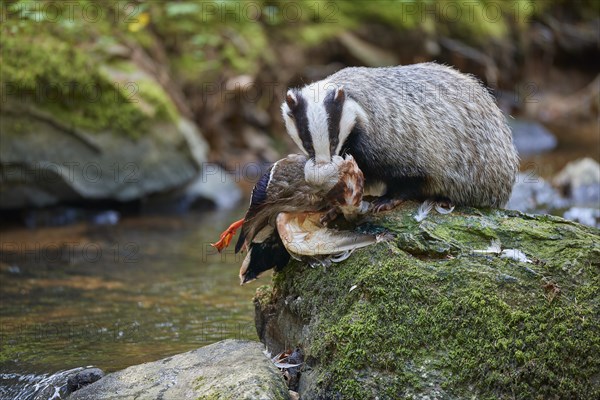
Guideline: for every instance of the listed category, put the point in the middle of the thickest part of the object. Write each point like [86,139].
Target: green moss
[152,93]
[199,383]
[206,43]
[478,323]
[263,294]
[64,80]
[210,397]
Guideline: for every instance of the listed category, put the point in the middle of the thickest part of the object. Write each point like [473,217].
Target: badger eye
[289,113]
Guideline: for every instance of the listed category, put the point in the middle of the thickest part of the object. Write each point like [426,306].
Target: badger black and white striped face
[319,118]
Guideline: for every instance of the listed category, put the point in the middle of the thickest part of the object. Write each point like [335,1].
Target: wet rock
[60,216]
[580,181]
[79,127]
[83,378]
[531,137]
[439,313]
[230,369]
[108,217]
[43,164]
[578,191]
[46,386]
[214,188]
[586,216]
[216,185]
[534,194]
[586,195]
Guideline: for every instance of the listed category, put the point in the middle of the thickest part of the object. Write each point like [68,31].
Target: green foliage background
[53,43]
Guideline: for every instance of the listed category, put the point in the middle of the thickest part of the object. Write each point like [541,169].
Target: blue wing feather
[257,200]
[259,193]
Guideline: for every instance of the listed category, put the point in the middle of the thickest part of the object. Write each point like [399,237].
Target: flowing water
[114,296]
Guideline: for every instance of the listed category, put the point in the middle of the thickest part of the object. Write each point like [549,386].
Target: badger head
[319,118]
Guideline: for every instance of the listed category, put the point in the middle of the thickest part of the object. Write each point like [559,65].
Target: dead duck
[287,217]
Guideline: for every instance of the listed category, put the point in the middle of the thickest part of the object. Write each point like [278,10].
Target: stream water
[114,296]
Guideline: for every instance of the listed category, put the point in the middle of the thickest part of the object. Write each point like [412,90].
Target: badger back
[424,106]
[430,120]
[418,120]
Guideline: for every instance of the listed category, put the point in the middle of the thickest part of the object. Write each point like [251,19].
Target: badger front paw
[385,204]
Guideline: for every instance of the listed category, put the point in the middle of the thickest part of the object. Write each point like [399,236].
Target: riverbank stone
[230,369]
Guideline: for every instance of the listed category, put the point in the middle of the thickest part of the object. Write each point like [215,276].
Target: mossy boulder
[430,315]
[87,119]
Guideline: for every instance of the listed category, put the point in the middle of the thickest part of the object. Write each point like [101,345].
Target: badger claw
[444,207]
[385,204]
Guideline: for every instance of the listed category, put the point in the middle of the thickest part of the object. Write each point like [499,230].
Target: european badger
[423,131]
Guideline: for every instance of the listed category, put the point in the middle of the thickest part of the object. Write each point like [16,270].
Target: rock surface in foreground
[436,312]
[231,369]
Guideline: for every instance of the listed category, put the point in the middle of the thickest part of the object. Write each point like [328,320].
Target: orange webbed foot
[227,235]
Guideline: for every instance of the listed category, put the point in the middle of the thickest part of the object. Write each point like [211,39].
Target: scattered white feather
[424,210]
[494,248]
[442,210]
[515,254]
[364,207]
[286,365]
[279,361]
[352,288]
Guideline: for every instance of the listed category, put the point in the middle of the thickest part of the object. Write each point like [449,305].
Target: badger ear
[291,100]
[340,95]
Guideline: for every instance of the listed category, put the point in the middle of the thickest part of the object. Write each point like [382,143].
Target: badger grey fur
[425,131]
